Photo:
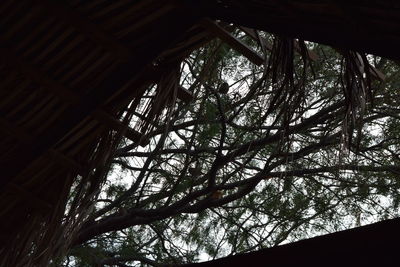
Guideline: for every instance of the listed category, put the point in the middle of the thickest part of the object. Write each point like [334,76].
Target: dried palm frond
[46,235]
[289,94]
[290,91]
[164,98]
[357,90]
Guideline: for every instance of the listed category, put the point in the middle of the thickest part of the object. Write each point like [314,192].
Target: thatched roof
[361,25]
[70,70]
[66,82]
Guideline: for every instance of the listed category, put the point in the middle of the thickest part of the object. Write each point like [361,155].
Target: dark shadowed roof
[362,25]
[370,245]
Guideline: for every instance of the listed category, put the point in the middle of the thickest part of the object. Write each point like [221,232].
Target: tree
[261,156]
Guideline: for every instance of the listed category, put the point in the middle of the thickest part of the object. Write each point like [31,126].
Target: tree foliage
[268,162]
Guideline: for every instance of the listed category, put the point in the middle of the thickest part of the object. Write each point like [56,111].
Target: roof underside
[371,245]
[365,26]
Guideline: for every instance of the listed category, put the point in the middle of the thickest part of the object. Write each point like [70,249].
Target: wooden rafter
[233,42]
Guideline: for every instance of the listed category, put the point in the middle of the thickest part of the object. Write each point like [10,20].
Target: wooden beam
[233,42]
[185,95]
[115,124]
[252,33]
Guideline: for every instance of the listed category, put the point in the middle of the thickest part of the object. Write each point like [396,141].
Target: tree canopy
[263,155]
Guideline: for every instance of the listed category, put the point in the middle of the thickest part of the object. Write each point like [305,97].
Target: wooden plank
[129,133]
[233,42]
[185,95]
